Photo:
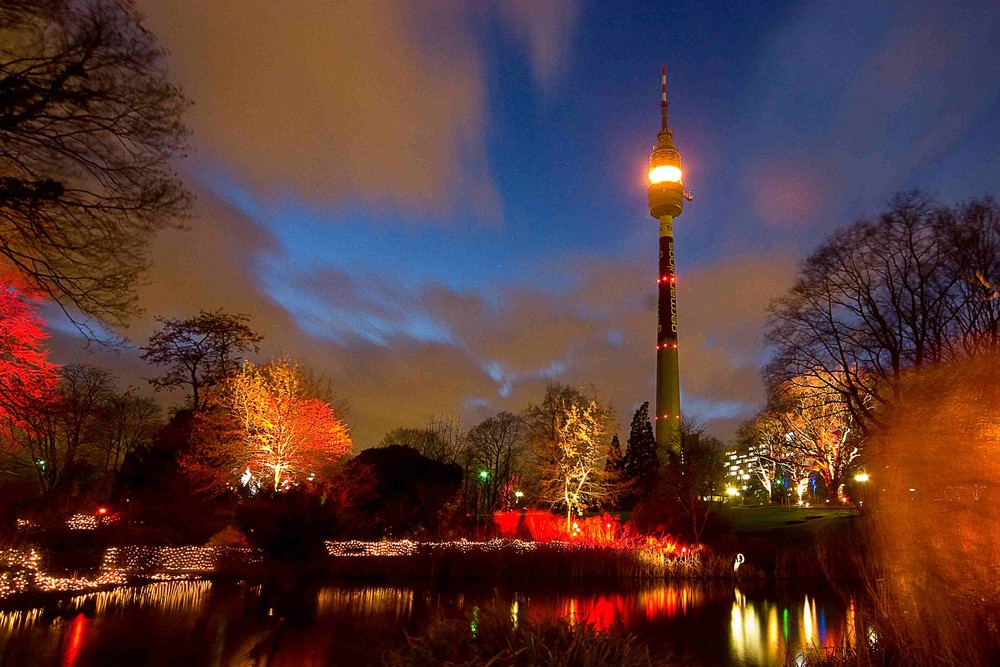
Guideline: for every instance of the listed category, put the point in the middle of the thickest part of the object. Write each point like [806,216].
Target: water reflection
[624,609]
[200,623]
[767,632]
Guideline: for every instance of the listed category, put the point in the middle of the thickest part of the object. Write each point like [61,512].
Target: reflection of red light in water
[75,639]
[601,612]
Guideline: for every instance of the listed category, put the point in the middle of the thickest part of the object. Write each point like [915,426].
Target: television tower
[666,202]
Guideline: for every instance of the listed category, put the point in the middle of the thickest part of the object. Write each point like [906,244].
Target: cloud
[547,29]
[862,100]
[344,102]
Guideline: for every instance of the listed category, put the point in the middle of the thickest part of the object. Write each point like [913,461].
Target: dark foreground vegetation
[492,637]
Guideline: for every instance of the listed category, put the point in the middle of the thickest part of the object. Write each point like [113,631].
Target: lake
[194,623]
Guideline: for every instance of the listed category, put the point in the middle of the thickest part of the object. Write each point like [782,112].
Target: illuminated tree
[764,437]
[200,352]
[808,428]
[26,374]
[89,124]
[571,473]
[269,430]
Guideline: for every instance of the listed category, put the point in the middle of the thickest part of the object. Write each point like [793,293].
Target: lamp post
[862,479]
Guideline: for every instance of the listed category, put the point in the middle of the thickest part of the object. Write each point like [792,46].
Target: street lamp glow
[861,477]
[665,173]
[519,494]
[484,474]
[731,491]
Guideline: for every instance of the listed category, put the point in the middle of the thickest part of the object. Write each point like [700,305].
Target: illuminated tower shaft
[668,388]
[666,202]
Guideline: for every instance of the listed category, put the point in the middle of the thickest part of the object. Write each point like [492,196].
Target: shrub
[230,536]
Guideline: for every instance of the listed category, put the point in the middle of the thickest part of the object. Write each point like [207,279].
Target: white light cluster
[160,563]
[82,522]
[411,548]
[177,559]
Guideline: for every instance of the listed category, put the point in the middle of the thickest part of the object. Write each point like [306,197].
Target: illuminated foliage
[26,374]
[821,434]
[270,430]
[571,471]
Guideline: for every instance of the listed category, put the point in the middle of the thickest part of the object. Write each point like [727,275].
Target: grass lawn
[751,519]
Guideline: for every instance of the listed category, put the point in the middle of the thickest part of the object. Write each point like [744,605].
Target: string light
[23,571]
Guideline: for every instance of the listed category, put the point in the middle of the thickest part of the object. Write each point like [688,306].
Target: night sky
[443,210]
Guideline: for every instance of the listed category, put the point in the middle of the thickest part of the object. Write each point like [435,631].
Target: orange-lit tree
[821,433]
[271,429]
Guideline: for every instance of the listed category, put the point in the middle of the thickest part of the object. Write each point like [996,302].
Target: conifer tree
[641,460]
[615,460]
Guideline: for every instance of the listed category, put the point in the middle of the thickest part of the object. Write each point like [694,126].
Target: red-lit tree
[28,380]
[26,374]
[270,430]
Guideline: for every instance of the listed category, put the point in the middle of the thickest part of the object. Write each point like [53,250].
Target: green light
[484,474]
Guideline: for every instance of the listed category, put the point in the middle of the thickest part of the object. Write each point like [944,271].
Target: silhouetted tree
[128,423]
[398,492]
[615,462]
[52,441]
[200,352]
[683,498]
[89,123]
[496,448]
[908,289]
[641,460]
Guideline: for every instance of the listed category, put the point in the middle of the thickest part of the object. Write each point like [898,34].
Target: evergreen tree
[641,460]
[615,460]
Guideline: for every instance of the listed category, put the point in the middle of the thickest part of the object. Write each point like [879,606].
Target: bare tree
[692,476]
[496,447]
[128,423]
[572,474]
[200,352]
[820,432]
[51,442]
[88,125]
[888,295]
